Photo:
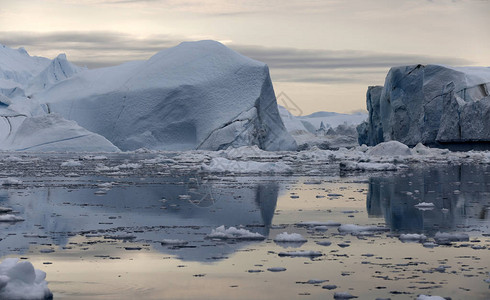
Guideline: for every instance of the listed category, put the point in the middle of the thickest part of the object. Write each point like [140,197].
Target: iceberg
[197,95]
[430,104]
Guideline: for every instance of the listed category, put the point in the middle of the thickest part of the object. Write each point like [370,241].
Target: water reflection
[460,195]
[184,208]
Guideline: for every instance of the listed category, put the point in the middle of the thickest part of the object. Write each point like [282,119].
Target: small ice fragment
[173,242]
[320,228]
[316,223]
[4,210]
[429,245]
[10,218]
[443,237]
[343,295]
[425,297]
[329,287]
[324,243]
[425,206]
[255,271]
[316,281]
[290,238]
[11,181]
[132,248]
[276,269]
[351,228]
[301,254]
[412,237]
[46,250]
[234,233]
[120,237]
[71,163]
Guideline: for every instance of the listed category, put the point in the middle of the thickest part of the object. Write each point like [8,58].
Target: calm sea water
[100,237]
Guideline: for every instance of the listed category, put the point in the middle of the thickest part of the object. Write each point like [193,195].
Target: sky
[322,54]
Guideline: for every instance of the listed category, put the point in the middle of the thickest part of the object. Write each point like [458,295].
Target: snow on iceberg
[19,280]
[50,133]
[197,95]
[234,233]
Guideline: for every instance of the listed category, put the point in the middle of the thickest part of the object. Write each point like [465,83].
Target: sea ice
[19,280]
[289,237]
[234,233]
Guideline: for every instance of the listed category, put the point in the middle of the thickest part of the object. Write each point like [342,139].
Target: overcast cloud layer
[102,49]
[322,53]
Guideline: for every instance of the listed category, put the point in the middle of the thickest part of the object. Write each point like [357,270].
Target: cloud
[107,48]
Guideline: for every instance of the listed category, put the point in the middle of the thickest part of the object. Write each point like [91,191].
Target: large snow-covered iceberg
[197,95]
[24,125]
[432,104]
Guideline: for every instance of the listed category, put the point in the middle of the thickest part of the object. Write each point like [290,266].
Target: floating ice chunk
[343,295]
[429,245]
[234,233]
[289,238]
[71,163]
[129,166]
[276,269]
[391,148]
[367,166]
[4,210]
[316,223]
[120,237]
[351,228]
[412,237]
[324,243]
[19,280]
[94,157]
[316,281]
[106,185]
[425,297]
[451,237]
[10,218]
[221,165]
[320,228]
[11,181]
[329,287]
[301,253]
[173,242]
[425,206]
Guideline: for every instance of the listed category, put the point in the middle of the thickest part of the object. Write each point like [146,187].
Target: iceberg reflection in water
[460,195]
[149,210]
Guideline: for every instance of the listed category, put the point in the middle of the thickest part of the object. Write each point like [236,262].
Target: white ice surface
[234,233]
[19,280]
[290,238]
